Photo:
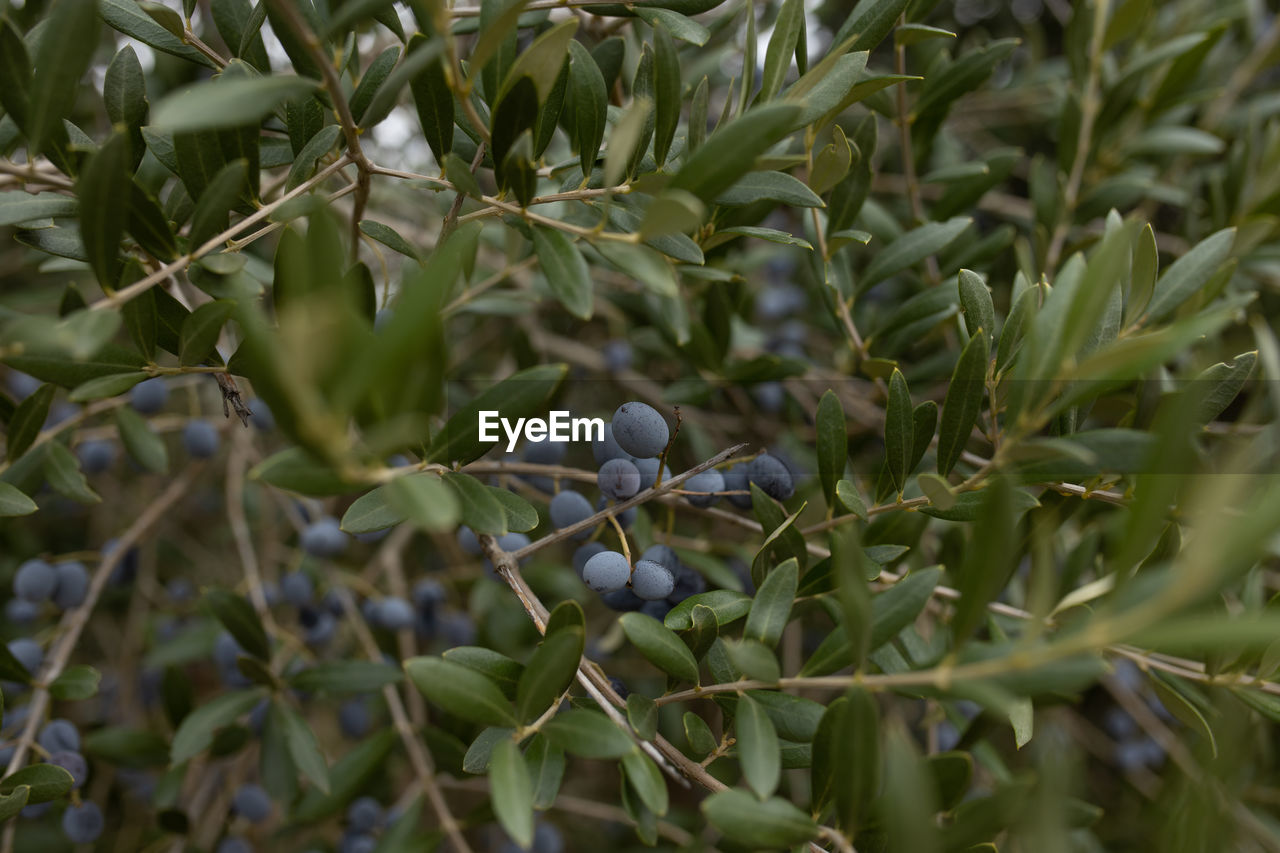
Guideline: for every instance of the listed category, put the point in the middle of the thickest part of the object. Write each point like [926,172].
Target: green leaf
[698,733]
[1222,382]
[541,61]
[460,690]
[197,729]
[850,726]
[753,659]
[783,541]
[1188,274]
[276,767]
[60,63]
[239,618]
[164,16]
[590,105]
[350,676]
[1142,279]
[730,152]
[936,489]
[975,301]
[17,207]
[660,646]
[296,470]
[10,668]
[642,714]
[62,470]
[127,17]
[698,116]
[828,87]
[850,499]
[728,605]
[420,56]
[146,448]
[587,733]
[433,100]
[565,270]
[495,666]
[909,34]
[200,332]
[869,22]
[104,190]
[127,747]
[724,235]
[754,187]
[782,45]
[15,74]
[371,511]
[478,508]
[304,749]
[899,605]
[304,165]
[644,264]
[963,402]
[46,782]
[911,248]
[389,237]
[774,823]
[546,770]
[832,163]
[646,780]
[522,394]
[63,242]
[371,80]
[521,516]
[11,804]
[350,776]
[680,26]
[668,93]
[989,560]
[425,500]
[832,444]
[477,757]
[226,103]
[148,225]
[771,608]
[626,138]
[964,75]
[549,672]
[899,430]
[758,749]
[512,791]
[27,420]
[14,503]
[219,197]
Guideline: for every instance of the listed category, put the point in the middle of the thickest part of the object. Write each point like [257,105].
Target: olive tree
[925,498]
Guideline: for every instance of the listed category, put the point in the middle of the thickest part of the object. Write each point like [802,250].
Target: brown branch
[1089,106]
[350,130]
[419,757]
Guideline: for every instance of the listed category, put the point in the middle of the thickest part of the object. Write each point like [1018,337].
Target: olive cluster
[629,459]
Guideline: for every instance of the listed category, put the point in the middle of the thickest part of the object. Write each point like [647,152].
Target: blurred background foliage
[997,282]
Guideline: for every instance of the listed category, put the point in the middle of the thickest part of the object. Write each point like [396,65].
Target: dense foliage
[937,508]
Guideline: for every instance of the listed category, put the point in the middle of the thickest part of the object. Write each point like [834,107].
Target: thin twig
[1089,106]
[419,757]
[124,294]
[350,130]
